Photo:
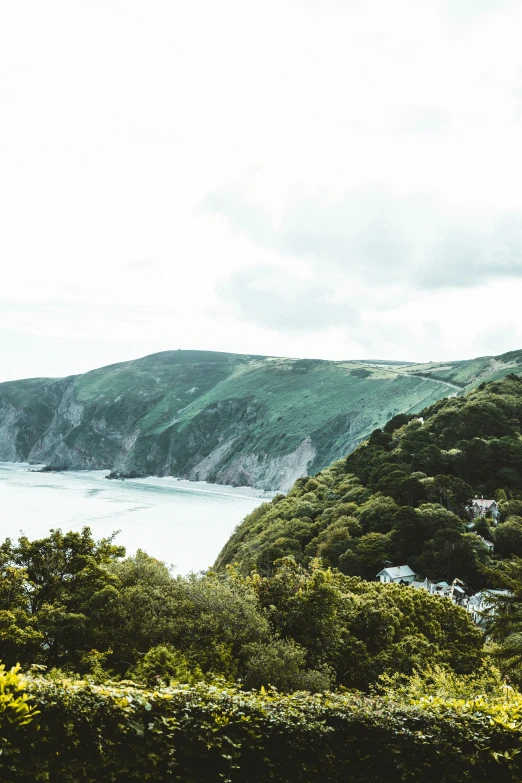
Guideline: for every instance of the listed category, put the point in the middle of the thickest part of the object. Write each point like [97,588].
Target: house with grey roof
[481,507]
[404,575]
[481,606]
[396,575]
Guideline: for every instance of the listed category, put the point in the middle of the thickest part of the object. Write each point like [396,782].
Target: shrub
[14,706]
[210,734]
[163,664]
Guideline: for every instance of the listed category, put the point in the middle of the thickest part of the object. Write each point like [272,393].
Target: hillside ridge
[240,419]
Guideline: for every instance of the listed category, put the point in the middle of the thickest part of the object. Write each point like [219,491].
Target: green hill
[402,495]
[227,418]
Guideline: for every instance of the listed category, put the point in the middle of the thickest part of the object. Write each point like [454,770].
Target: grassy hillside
[402,495]
[228,418]
[467,374]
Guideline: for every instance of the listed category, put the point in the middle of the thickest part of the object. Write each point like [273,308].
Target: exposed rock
[205,467]
[267,471]
[119,476]
[50,469]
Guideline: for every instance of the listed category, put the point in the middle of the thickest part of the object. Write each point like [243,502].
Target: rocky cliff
[225,418]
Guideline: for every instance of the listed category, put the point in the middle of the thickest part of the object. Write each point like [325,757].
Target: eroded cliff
[224,418]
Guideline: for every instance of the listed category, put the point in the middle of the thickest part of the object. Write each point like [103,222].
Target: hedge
[88,733]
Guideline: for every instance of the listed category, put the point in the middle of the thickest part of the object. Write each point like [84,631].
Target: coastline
[157,481]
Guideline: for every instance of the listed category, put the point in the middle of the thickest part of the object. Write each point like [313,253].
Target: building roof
[397,572]
[481,598]
[483,502]
[425,585]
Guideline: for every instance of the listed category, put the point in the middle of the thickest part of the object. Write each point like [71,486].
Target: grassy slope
[177,399]
[179,406]
[468,374]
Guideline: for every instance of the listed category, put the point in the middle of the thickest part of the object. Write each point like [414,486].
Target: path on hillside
[432,380]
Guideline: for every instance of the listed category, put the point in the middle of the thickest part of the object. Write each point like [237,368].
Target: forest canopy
[403,496]
[70,603]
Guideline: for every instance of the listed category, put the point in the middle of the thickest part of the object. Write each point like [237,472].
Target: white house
[482,506]
[455,593]
[396,575]
[481,606]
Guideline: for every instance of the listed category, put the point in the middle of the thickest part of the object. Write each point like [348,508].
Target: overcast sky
[322,178]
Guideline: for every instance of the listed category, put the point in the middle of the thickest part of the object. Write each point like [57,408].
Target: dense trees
[359,630]
[70,602]
[402,496]
[53,593]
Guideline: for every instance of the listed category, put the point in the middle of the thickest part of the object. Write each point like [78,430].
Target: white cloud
[382,238]
[331,118]
[287,299]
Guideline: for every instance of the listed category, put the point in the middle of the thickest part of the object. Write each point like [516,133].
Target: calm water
[181,522]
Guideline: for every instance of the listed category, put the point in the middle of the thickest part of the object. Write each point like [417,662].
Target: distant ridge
[226,418]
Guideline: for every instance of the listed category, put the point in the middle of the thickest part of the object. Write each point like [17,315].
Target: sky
[337,179]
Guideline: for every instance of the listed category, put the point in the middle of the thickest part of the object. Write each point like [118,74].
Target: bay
[182,523]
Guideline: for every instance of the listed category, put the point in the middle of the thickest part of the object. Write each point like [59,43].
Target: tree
[163,664]
[59,587]
[410,532]
[482,528]
[450,492]
[281,664]
[363,629]
[376,515]
[505,615]
[508,537]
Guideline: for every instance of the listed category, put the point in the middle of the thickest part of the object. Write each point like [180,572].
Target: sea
[183,523]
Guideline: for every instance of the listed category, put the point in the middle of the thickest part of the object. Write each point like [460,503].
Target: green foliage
[359,630]
[294,628]
[439,682]
[15,706]
[67,601]
[162,665]
[17,710]
[92,664]
[207,733]
[407,488]
[508,537]
[505,616]
[281,664]
[52,593]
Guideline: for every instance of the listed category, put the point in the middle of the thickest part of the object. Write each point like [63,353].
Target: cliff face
[27,409]
[241,420]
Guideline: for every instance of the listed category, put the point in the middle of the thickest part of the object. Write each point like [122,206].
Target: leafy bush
[16,712]
[163,664]
[282,664]
[212,734]
[15,708]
